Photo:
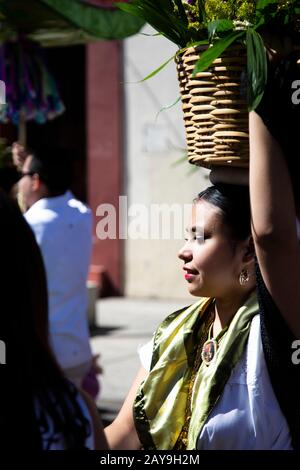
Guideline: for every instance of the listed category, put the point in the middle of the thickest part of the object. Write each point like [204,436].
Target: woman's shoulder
[171,322]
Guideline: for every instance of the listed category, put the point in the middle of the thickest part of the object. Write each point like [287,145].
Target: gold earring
[244,277]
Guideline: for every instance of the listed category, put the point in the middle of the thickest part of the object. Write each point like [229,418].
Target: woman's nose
[185,253]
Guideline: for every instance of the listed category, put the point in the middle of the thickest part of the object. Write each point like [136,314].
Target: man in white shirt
[63,229]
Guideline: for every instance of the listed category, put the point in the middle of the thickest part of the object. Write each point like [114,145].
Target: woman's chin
[195,290]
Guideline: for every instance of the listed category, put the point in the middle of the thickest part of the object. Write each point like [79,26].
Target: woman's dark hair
[234,204]
[32,384]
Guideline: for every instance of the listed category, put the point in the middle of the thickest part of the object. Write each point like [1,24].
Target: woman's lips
[189,277]
[189,274]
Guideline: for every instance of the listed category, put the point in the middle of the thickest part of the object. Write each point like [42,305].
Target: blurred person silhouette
[40,408]
[63,229]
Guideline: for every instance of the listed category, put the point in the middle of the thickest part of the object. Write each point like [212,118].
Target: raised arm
[274,221]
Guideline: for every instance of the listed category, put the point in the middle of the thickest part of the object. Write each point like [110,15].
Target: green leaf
[202,12]
[219,26]
[164,108]
[193,169]
[260,4]
[266,10]
[129,8]
[181,12]
[215,51]
[204,42]
[257,68]
[179,161]
[150,35]
[101,23]
[162,16]
[157,70]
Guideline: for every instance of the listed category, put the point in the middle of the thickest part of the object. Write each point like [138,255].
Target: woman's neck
[226,308]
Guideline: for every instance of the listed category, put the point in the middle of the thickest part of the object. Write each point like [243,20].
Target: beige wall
[153,145]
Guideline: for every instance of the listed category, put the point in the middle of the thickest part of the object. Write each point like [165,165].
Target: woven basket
[215,108]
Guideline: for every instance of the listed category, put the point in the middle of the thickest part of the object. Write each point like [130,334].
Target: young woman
[204,378]
[220,374]
[39,407]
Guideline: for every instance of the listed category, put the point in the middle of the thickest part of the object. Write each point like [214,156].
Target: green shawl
[160,404]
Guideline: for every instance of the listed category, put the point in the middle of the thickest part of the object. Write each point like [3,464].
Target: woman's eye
[198,238]
[200,235]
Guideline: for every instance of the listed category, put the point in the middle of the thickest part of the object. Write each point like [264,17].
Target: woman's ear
[249,250]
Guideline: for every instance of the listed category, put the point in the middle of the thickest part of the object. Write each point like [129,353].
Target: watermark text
[2,352]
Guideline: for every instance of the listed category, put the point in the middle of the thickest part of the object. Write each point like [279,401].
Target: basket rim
[203,47]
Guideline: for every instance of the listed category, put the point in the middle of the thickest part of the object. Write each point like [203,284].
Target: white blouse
[247,416]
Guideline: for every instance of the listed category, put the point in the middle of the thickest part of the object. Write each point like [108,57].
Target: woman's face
[212,263]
